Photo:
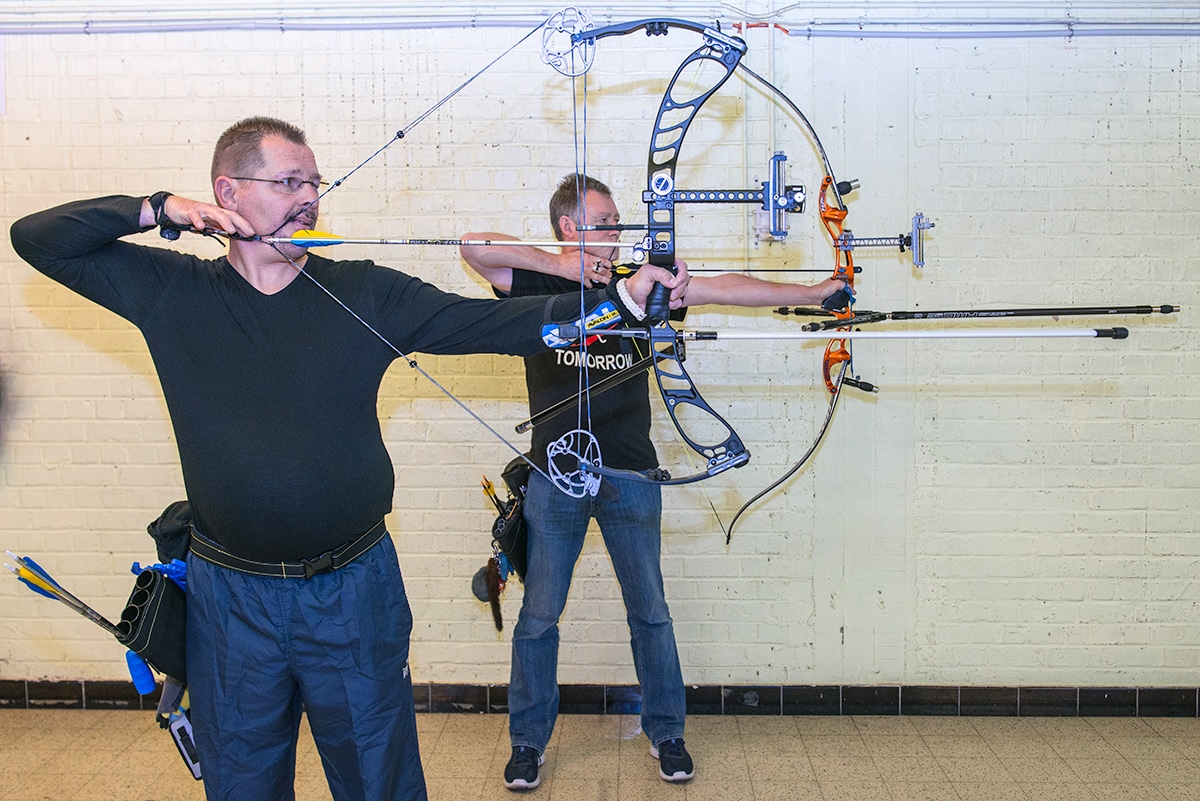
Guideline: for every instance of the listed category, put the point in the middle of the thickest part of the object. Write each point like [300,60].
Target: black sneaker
[674,761]
[521,772]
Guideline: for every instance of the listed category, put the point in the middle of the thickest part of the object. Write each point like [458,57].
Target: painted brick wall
[1002,512]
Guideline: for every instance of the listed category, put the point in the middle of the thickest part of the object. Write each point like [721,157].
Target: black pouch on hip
[509,530]
[172,532]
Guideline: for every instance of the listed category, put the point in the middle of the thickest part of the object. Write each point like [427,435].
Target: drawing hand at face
[593,264]
[198,215]
[586,266]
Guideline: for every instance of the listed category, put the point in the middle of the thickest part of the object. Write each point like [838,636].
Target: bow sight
[776,199]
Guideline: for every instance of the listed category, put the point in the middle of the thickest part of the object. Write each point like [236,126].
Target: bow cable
[411,362]
[400,134]
[579,443]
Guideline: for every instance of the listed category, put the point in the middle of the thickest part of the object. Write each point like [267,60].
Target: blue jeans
[631,527]
[261,649]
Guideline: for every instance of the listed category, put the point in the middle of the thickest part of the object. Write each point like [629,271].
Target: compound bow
[576,41]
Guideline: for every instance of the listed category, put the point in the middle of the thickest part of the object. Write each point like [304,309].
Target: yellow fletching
[312,239]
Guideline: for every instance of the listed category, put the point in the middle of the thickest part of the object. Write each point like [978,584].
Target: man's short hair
[568,199]
[238,150]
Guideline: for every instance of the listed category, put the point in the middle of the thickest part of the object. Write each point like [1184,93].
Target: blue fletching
[176,571]
[41,571]
[36,588]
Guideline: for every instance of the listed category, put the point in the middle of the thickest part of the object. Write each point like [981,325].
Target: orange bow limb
[834,220]
[835,223]
[835,353]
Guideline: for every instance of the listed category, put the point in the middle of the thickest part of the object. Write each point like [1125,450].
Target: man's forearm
[496,262]
[744,290]
[75,229]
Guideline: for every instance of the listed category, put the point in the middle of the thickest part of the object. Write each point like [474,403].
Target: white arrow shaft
[978,333]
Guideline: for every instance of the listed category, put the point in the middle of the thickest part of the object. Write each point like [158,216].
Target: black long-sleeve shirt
[273,397]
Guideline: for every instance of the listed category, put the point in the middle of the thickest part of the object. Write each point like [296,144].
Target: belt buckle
[318,565]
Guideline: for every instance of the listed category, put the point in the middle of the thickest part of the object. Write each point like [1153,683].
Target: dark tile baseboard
[599,699]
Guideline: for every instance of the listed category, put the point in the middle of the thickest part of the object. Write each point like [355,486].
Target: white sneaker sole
[677,776]
[520,784]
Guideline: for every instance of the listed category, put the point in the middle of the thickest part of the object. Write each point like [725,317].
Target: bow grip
[658,305]
[838,301]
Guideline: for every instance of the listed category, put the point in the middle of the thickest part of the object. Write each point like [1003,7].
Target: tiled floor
[123,756]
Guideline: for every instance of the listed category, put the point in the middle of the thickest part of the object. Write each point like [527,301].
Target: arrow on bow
[775,197]
[316,239]
[658,246]
[862,317]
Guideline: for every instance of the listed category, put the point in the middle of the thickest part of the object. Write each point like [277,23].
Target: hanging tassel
[495,586]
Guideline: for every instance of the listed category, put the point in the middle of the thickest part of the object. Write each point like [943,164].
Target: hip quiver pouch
[154,623]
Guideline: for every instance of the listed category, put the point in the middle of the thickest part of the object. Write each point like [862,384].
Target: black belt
[305,568]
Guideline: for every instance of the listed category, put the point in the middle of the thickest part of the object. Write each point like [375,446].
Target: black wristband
[166,228]
[157,201]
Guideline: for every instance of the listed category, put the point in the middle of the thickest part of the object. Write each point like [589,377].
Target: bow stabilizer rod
[865,317]
[937,333]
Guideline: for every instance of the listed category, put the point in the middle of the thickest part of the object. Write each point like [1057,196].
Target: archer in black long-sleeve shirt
[273,396]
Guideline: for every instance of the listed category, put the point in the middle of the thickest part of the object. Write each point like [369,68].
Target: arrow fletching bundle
[35,577]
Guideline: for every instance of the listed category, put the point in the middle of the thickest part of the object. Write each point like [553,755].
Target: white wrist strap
[635,309]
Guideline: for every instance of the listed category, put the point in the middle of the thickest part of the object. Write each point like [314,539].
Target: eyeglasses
[288,186]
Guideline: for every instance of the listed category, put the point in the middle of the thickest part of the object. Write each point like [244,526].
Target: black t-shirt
[620,416]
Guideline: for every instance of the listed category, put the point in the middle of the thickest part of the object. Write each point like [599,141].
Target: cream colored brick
[999,513]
